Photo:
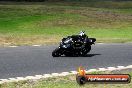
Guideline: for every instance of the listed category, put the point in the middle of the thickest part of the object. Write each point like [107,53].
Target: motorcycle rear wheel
[68,55]
[85,50]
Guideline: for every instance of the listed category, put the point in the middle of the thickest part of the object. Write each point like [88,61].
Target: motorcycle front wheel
[56,52]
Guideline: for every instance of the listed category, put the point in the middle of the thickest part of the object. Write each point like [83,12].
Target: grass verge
[48,22]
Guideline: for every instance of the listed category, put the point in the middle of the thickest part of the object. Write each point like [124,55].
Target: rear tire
[85,50]
[56,52]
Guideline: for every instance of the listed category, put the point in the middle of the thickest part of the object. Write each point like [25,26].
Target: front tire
[56,52]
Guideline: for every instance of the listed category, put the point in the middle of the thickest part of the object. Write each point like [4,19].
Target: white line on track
[13,46]
[36,45]
[16,79]
[100,43]
[36,77]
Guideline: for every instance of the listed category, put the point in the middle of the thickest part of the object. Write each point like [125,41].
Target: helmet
[81,33]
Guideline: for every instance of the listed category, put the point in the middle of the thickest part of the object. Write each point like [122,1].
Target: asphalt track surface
[29,60]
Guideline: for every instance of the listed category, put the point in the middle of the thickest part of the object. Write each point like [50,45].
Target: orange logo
[81,71]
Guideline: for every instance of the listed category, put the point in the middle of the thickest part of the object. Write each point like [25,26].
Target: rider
[84,37]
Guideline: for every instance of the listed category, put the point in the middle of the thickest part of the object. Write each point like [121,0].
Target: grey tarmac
[37,60]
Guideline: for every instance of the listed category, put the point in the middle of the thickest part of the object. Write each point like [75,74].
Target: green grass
[49,22]
[64,82]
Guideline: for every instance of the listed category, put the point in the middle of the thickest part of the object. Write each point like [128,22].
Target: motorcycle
[75,45]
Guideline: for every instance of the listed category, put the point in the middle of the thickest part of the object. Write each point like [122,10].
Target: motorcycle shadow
[88,55]
[91,55]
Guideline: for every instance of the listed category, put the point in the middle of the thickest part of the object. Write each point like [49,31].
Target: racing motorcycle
[75,45]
